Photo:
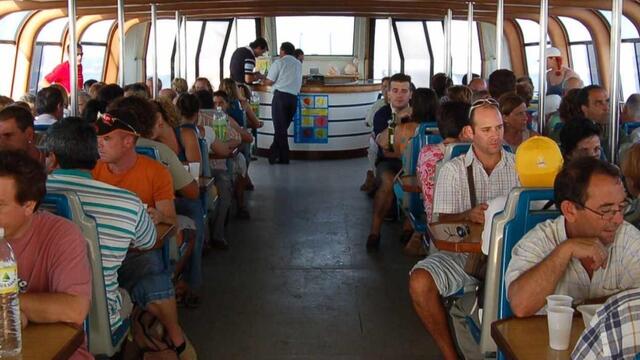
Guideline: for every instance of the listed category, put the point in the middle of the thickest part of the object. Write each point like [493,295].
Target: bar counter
[341,109]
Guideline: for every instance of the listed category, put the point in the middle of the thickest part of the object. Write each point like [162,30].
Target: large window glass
[194,32]
[583,60]
[417,62]
[629,55]
[9,25]
[212,42]
[246,33]
[94,46]
[436,37]
[459,50]
[47,52]
[317,35]
[381,51]
[531,35]
[166,40]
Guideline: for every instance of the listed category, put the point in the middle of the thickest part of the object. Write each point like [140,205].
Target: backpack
[147,339]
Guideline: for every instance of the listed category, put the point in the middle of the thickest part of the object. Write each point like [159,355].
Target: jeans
[218,217]
[143,275]
[192,208]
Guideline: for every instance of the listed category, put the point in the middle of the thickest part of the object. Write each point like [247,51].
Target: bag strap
[472,187]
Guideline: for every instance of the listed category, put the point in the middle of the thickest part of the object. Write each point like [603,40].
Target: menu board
[311,122]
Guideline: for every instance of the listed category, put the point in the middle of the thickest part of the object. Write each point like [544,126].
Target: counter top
[351,87]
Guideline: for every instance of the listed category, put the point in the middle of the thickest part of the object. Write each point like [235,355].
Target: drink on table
[10,337]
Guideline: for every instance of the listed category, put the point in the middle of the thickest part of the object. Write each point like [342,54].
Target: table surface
[50,341]
[528,338]
[471,243]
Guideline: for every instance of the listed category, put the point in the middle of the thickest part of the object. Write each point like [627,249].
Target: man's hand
[476,214]
[589,251]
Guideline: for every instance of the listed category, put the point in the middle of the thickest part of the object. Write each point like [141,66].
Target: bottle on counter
[10,336]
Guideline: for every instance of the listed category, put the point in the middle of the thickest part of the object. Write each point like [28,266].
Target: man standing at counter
[285,76]
[243,61]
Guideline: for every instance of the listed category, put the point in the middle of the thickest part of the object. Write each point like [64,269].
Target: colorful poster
[311,122]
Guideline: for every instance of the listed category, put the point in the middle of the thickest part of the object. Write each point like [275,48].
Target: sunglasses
[482,103]
[109,120]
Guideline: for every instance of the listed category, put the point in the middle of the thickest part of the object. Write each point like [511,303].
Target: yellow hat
[538,161]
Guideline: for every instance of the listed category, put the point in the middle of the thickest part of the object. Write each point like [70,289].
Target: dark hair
[440,82]
[222,94]
[572,182]
[259,43]
[205,97]
[501,81]
[22,116]
[525,91]
[465,81]
[28,174]
[87,84]
[108,93]
[509,102]
[91,110]
[298,52]
[400,77]
[48,100]
[74,143]
[188,105]
[569,108]
[144,114]
[424,105]
[288,48]
[138,89]
[575,131]
[583,95]
[525,79]
[453,116]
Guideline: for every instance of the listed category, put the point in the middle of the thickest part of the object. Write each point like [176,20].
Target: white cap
[552,52]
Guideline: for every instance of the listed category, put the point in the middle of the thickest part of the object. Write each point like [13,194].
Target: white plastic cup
[194,169]
[559,320]
[559,300]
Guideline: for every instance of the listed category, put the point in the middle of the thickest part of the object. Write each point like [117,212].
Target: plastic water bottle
[255,104]
[10,337]
[220,124]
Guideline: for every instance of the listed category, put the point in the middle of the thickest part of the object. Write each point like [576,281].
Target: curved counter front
[329,123]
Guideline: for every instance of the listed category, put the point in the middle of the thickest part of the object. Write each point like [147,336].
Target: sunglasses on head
[109,120]
[482,103]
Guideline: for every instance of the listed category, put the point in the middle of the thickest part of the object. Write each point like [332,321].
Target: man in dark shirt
[386,165]
[243,61]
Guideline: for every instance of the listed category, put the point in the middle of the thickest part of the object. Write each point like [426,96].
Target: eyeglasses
[481,103]
[609,213]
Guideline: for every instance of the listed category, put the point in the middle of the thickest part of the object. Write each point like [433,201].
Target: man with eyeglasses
[589,252]
[491,171]
[61,74]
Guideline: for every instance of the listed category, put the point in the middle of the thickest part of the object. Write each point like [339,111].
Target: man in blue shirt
[285,76]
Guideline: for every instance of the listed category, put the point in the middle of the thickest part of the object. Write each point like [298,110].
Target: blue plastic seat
[628,127]
[148,151]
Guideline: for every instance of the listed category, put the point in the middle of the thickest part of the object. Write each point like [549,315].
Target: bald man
[478,84]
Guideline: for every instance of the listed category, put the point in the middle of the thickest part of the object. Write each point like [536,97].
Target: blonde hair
[630,166]
[6,101]
[168,111]
[229,86]
[179,85]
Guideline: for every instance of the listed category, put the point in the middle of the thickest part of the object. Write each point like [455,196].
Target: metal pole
[122,39]
[236,20]
[73,58]
[499,33]
[469,42]
[448,58]
[616,18]
[389,53]
[186,54]
[154,27]
[178,73]
[542,89]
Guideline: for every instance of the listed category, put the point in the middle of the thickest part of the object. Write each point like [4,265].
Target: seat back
[148,151]
[101,340]
[628,127]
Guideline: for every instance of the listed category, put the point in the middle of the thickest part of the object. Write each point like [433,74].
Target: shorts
[392,166]
[144,276]
[447,270]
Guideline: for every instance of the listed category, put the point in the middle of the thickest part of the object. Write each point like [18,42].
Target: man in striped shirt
[121,219]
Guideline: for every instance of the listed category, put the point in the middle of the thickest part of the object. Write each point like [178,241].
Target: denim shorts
[144,276]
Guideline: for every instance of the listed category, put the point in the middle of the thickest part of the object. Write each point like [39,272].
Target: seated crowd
[133,196]
[582,253]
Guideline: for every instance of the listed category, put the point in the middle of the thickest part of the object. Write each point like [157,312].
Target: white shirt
[286,73]
[452,189]
[45,119]
[623,262]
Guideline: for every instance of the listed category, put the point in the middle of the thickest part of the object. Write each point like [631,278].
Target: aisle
[298,283]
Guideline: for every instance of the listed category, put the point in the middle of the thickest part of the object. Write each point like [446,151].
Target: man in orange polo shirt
[142,273]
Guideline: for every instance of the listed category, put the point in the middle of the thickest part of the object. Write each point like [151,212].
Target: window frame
[592,59]
[104,44]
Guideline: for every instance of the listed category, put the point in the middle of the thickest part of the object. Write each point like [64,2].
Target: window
[48,51]
[436,37]
[212,43]
[194,33]
[246,34]
[531,35]
[94,45]
[415,51]
[629,55]
[381,51]
[166,40]
[317,35]
[9,26]
[583,59]
[459,50]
